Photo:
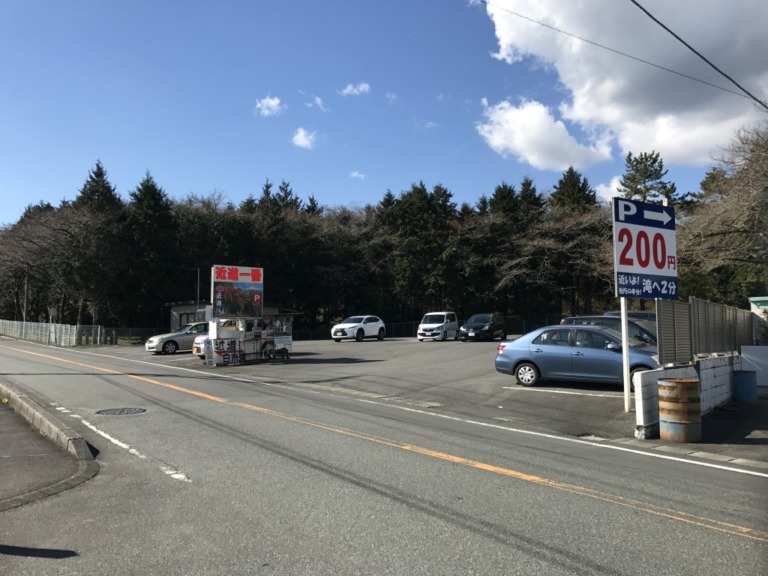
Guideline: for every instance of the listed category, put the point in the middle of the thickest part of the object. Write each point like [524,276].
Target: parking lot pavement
[448,378]
[459,378]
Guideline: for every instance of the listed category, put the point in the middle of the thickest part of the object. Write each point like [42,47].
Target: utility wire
[652,17]
[617,51]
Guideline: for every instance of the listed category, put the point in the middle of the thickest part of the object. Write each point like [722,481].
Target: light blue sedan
[572,354]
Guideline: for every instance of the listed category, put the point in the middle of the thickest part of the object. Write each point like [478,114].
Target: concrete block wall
[714,374]
[716,384]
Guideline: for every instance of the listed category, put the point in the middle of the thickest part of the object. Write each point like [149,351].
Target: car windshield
[353,320]
[479,319]
[185,328]
[433,319]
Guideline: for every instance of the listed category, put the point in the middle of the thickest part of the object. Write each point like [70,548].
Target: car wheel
[421,339]
[170,347]
[445,336]
[381,334]
[527,374]
[360,335]
[632,376]
[503,336]
[337,339]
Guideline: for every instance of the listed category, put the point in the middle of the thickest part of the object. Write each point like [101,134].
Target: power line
[624,54]
[652,17]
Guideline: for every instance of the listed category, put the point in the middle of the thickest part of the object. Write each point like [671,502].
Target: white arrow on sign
[662,216]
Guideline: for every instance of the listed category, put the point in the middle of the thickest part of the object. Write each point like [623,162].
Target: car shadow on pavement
[300,359]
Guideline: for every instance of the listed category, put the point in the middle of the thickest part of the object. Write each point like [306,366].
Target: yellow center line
[678,516]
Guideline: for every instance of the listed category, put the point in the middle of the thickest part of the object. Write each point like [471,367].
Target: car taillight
[500,349]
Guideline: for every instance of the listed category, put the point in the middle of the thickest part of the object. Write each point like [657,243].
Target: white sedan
[359,327]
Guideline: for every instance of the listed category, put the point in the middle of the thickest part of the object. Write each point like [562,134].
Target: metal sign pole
[625,356]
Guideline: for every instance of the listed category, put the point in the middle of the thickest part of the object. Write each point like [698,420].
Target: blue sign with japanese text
[645,250]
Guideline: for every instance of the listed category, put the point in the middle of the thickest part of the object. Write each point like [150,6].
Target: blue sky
[348,99]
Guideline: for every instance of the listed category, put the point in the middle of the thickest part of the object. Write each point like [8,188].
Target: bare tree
[730,223]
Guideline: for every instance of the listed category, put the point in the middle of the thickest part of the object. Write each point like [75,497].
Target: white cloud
[533,135]
[424,124]
[356,174]
[391,97]
[317,102]
[616,104]
[606,192]
[270,106]
[350,90]
[304,139]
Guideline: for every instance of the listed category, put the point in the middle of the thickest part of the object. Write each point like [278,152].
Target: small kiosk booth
[239,330]
[239,340]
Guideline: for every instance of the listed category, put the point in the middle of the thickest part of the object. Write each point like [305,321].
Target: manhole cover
[120,411]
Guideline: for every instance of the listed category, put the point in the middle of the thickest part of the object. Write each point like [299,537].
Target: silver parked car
[180,340]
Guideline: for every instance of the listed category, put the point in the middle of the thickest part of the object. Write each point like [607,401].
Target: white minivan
[438,326]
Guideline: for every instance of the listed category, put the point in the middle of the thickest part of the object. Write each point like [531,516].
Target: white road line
[103,434]
[614,395]
[169,471]
[175,474]
[575,440]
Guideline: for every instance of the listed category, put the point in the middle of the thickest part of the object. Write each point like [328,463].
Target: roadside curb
[35,411]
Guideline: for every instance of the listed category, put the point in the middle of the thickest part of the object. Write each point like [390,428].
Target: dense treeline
[102,260]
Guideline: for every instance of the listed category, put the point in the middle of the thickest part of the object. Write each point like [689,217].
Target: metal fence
[66,335]
[690,330]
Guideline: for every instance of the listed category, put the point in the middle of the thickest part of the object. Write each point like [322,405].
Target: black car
[643,330]
[483,327]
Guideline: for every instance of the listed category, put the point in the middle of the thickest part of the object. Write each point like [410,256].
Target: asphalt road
[392,457]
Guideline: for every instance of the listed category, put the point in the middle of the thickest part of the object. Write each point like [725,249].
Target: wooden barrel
[680,409]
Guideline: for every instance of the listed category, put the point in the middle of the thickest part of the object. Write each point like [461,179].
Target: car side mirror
[613,346]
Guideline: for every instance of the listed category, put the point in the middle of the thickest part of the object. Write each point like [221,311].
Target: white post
[625,356]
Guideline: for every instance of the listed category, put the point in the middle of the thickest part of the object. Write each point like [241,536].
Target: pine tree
[572,194]
[644,179]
